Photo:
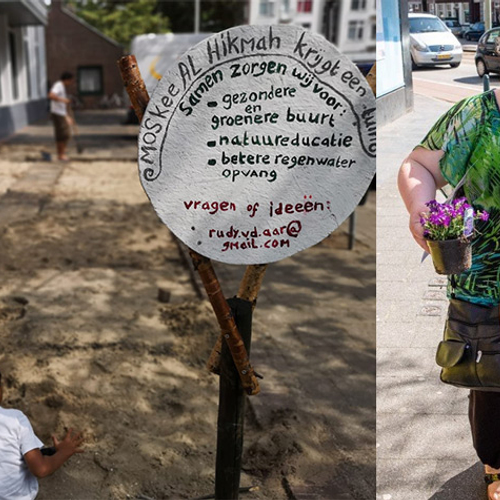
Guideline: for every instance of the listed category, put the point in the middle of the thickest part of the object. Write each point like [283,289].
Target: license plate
[444,56]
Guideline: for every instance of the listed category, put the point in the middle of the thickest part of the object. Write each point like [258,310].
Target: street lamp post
[196,16]
[487,15]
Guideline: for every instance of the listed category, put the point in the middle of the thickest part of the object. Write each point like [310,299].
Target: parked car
[432,43]
[474,31]
[454,26]
[488,53]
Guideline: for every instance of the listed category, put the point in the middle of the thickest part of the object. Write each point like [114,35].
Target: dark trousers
[484,406]
[484,417]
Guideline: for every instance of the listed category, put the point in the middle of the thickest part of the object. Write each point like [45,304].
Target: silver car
[432,43]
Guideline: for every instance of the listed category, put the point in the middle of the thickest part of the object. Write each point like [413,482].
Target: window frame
[79,71]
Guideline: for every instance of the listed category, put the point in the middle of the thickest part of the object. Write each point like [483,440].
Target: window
[492,37]
[40,59]
[304,6]
[358,4]
[266,8]
[374,31]
[28,68]
[14,65]
[90,80]
[355,31]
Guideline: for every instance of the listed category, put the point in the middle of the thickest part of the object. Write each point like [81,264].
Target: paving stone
[407,480]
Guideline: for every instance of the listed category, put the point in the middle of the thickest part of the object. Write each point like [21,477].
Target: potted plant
[449,228]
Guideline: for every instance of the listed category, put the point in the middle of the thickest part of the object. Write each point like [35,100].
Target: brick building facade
[75,46]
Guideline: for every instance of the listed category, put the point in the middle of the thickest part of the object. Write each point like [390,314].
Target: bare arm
[55,97]
[418,179]
[42,466]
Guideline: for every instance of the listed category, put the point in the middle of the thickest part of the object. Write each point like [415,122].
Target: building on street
[94,61]
[463,12]
[349,24]
[23,84]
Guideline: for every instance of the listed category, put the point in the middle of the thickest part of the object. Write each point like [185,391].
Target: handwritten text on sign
[258,143]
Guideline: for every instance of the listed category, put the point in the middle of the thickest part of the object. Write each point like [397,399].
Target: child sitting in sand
[21,458]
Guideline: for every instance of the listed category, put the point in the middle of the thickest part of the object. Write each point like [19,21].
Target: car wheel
[414,65]
[454,65]
[481,68]
[467,37]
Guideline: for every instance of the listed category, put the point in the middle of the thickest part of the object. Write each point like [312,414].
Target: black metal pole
[231,410]
[486,83]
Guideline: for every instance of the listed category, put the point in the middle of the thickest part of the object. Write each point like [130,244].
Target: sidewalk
[424,448]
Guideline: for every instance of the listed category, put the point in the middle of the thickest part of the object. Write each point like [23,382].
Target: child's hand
[70,444]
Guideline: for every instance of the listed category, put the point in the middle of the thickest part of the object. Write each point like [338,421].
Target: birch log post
[249,290]
[139,98]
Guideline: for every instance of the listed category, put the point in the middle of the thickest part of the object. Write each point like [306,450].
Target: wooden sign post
[258,143]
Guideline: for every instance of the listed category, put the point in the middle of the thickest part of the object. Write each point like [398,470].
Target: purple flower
[459,201]
[446,220]
[436,218]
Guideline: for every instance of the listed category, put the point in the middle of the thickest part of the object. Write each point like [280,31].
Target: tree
[121,20]
[216,15]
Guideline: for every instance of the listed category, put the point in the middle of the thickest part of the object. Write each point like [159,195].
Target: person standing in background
[59,114]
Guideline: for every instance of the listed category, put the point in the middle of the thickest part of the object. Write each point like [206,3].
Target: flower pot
[451,256]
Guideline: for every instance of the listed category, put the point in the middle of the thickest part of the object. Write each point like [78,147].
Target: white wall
[284,15]
[29,105]
[31,63]
[5,91]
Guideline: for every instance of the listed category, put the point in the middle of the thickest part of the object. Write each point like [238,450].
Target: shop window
[90,81]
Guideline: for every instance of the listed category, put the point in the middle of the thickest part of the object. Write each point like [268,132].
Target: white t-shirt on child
[16,439]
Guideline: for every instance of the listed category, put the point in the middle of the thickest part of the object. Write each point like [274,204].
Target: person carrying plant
[23,458]
[463,147]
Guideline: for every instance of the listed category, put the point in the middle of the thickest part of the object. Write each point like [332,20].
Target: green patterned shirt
[469,135]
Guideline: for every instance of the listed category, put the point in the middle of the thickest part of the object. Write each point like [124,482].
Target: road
[450,84]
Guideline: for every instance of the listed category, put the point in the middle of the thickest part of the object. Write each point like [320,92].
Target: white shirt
[16,439]
[58,107]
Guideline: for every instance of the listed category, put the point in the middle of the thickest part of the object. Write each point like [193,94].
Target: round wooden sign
[258,143]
